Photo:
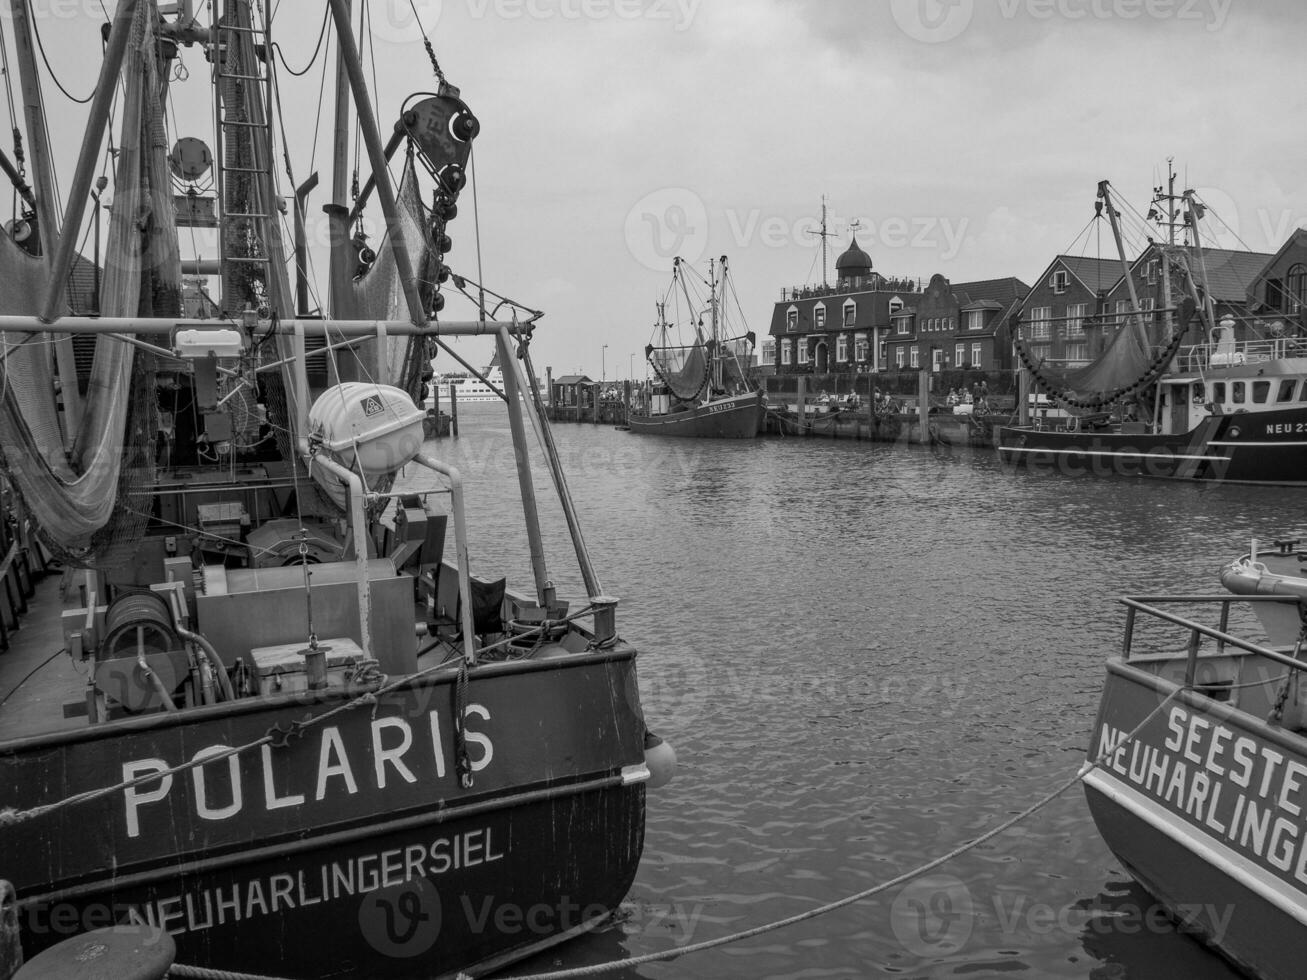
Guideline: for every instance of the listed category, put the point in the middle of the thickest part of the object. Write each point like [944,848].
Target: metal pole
[513,388]
[377,158]
[301,246]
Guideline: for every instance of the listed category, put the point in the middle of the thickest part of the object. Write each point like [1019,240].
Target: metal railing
[1219,633]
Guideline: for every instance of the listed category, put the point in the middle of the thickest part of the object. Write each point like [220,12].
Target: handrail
[1141,604]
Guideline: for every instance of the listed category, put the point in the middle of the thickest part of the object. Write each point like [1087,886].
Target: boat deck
[38,679]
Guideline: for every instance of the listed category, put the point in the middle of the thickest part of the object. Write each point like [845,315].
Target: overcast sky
[965,136]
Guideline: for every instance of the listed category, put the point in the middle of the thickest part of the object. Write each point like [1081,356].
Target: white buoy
[660,757]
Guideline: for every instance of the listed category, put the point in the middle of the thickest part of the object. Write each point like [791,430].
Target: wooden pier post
[1023,397]
[923,404]
[549,389]
[800,405]
[453,412]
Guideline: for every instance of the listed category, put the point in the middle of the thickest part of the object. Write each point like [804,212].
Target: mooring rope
[200,973]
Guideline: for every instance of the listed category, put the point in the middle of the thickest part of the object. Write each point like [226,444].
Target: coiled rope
[200,973]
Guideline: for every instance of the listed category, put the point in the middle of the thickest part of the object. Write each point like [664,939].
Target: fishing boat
[261,699]
[1202,732]
[1219,410]
[701,388]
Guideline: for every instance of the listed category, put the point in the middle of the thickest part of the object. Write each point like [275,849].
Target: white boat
[468,387]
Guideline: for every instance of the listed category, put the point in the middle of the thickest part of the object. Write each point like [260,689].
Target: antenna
[823,235]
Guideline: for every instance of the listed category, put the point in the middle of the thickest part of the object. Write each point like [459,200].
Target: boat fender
[123,952]
[660,757]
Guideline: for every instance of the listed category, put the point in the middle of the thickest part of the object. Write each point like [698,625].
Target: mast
[714,353]
[47,219]
[1105,196]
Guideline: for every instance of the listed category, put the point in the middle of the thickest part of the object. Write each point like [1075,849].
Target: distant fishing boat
[1204,806]
[1220,410]
[701,388]
[263,703]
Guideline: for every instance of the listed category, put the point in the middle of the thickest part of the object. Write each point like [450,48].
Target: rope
[275,736]
[200,973]
[813,913]
[326,14]
[36,29]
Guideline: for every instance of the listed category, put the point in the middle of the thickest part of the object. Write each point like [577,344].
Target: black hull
[352,849]
[738,417]
[1262,447]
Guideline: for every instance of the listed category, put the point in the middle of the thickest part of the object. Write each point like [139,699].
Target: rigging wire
[36,29]
[322,33]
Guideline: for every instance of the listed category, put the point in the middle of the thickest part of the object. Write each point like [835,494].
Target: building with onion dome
[840,328]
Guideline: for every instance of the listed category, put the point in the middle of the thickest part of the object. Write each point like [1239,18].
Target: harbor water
[866,655]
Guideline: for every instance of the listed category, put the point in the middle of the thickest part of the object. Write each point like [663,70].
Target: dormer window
[1060,280]
[850,312]
[819,316]
[792,319]
[895,304]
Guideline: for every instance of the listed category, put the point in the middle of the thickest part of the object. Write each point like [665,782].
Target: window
[769,351]
[1059,281]
[850,313]
[895,305]
[1152,271]
[787,352]
[1261,392]
[842,348]
[975,319]
[1076,354]
[959,354]
[1295,288]
[899,355]
[1236,392]
[902,324]
[1218,392]
[860,346]
[1122,313]
[1075,323]
[914,359]
[1286,391]
[792,318]
[884,356]
[819,316]
[1039,326]
[936,358]
[976,356]
[803,351]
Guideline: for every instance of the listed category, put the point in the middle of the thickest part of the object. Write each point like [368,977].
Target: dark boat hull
[1262,447]
[352,849]
[736,417]
[1227,861]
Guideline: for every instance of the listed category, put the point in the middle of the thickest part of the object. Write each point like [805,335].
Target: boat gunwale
[161,720]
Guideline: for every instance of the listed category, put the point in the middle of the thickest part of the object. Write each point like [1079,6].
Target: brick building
[956,325]
[837,329]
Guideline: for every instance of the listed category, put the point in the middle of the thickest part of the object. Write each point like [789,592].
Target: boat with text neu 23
[1177,393]
[263,699]
[1202,787]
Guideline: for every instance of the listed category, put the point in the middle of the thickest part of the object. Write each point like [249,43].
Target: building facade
[837,329]
[956,326]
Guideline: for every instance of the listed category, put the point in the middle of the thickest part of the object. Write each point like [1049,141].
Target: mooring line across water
[183,972]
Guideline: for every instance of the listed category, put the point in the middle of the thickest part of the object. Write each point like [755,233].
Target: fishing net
[89,500]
